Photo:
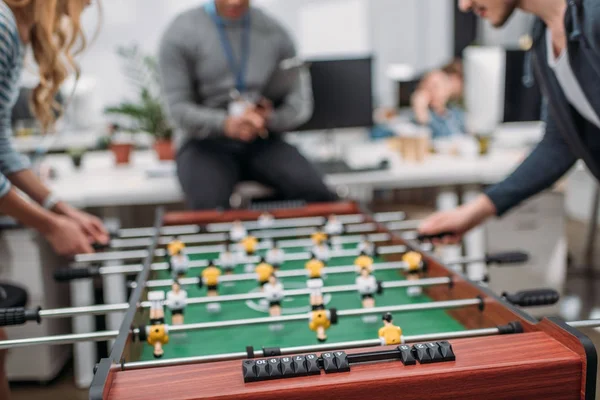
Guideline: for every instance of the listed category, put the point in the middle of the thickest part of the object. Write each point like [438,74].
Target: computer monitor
[521,102]
[343,94]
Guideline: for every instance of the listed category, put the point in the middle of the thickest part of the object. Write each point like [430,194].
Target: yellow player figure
[319,322]
[390,334]
[157,336]
[314,268]
[210,278]
[364,262]
[414,265]
[175,247]
[249,243]
[319,238]
[264,271]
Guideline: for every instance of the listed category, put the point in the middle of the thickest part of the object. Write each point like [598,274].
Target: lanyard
[239,72]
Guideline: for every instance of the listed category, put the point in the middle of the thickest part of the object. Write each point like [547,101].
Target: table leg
[85,355]
[448,199]
[114,289]
[475,241]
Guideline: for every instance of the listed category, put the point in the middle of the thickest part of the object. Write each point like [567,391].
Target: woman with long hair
[52,28]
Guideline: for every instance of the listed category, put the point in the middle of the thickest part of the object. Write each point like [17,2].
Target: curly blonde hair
[55,33]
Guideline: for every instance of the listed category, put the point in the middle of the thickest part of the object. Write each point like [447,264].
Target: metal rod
[59,339]
[277,223]
[282,274]
[86,310]
[110,308]
[108,335]
[438,305]
[403,225]
[300,256]
[593,323]
[139,254]
[309,349]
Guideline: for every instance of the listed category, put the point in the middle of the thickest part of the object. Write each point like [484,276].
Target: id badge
[238,108]
[239,104]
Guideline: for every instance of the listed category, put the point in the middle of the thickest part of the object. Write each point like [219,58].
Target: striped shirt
[12,53]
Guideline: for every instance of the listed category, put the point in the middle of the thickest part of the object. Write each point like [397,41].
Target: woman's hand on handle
[459,221]
[67,238]
[92,226]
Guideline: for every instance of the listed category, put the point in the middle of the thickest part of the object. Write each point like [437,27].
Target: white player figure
[157,311]
[366,246]
[275,256]
[180,264]
[274,294]
[367,287]
[334,226]
[228,260]
[176,302]
[316,293]
[265,220]
[238,231]
[321,252]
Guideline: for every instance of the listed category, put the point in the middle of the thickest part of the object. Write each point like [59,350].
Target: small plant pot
[122,152]
[77,160]
[164,150]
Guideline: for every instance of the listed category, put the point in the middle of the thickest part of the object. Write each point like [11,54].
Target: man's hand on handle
[459,221]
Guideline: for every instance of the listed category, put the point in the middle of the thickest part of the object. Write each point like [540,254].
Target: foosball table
[318,301]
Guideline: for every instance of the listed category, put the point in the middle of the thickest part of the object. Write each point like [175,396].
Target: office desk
[109,185]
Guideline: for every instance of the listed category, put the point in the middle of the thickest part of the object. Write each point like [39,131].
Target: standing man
[566,62]
[232,88]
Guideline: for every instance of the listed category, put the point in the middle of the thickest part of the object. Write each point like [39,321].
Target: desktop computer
[343,98]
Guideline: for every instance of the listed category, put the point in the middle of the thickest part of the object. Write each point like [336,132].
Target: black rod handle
[71,274]
[507,258]
[533,298]
[18,316]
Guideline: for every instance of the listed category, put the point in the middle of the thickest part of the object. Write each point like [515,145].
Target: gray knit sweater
[197,79]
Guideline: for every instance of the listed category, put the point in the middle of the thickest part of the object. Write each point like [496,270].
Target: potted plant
[121,145]
[76,155]
[147,114]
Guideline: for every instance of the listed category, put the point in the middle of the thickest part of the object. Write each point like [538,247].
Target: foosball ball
[320,301]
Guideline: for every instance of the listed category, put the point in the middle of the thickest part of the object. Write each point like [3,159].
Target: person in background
[437,101]
[565,58]
[52,29]
[233,86]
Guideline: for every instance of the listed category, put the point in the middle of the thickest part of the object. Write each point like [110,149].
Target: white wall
[417,32]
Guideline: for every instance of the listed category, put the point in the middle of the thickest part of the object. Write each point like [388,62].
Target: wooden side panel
[574,344]
[524,366]
[204,217]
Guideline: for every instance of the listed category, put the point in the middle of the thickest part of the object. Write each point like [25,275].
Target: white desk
[100,183]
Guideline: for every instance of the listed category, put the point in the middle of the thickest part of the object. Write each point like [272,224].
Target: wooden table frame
[548,360]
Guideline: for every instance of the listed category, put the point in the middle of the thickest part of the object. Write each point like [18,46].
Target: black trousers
[208,171]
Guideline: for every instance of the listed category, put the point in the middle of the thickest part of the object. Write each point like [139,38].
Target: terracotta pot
[122,152]
[164,149]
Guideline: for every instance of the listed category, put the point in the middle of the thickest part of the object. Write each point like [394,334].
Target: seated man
[232,89]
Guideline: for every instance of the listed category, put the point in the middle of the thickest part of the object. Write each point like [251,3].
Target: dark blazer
[569,136]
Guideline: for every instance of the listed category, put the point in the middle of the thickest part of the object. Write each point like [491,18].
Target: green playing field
[235,339]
